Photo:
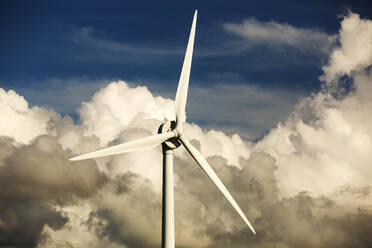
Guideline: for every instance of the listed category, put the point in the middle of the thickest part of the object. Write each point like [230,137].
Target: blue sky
[58,53]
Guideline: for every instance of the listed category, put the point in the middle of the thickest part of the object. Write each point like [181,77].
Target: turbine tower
[171,136]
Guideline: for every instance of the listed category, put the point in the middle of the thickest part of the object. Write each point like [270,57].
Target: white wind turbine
[171,135]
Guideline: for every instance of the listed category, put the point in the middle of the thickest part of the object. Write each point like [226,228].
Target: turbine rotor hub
[169,126]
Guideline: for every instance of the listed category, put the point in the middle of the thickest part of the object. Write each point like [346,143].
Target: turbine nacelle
[170,127]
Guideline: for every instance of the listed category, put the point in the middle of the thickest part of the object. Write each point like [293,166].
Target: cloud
[41,171]
[282,34]
[34,178]
[116,51]
[305,184]
[256,109]
[21,224]
[127,211]
[355,50]
[324,145]
[106,110]
[327,142]
[20,122]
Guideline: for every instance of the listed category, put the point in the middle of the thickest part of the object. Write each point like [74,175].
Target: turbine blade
[183,84]
[212,175]
[130,146]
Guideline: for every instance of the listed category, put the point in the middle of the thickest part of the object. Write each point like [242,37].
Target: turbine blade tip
[251,227]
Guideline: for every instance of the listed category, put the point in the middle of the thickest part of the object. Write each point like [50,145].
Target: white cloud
[114,107]
[324,145]
[355,50]
[327,142]
[273,33]
[19,121]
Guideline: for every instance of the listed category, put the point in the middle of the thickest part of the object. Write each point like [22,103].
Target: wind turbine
[171,136]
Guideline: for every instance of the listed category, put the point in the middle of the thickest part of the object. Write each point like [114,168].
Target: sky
[279,103]
[57,54]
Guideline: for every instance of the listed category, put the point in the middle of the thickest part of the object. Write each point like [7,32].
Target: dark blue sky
[48,46]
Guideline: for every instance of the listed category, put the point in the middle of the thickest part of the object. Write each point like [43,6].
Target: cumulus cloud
[324,145]
[21,224]
[327,142]
[305,184]
[355,50]
[33,178]
[20,122]
[112,108]
[38,170]
[273,33]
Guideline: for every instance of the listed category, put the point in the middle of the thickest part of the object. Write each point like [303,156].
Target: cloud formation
[305,184]
[15,113]
[33,179]
[116,51]
[355,50]
[325,133]
[273,33]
